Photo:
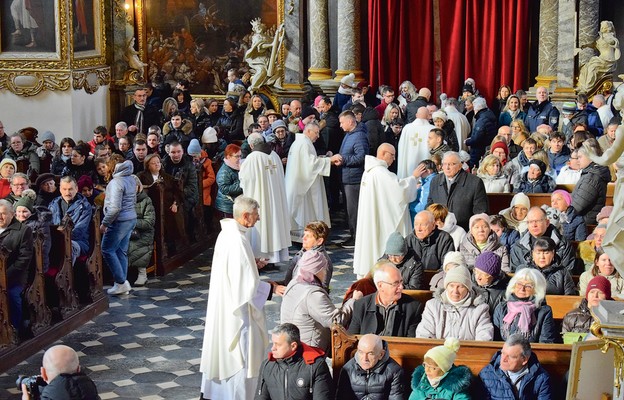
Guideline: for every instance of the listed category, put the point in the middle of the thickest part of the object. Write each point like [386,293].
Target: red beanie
[500,145]
[601,283]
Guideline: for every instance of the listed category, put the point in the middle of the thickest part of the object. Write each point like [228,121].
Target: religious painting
[85,24]
[28,29]
[200,40]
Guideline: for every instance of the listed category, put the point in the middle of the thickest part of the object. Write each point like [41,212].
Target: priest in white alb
[305,189]
[262,178]
[413,143]
[462,125]
[235,336]
[382,208]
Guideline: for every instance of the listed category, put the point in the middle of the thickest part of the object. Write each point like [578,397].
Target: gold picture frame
[87,32]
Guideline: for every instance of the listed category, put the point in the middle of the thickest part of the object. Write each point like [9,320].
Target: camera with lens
[34,385]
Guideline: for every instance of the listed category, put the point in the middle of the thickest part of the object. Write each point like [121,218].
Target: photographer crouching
[60,378]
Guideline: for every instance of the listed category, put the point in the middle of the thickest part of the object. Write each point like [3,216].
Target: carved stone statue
[613,242]
[135,70]
[604,63]
[262,56]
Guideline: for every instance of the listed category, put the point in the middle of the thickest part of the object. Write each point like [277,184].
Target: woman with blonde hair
[391,112]
[255,108]
[407,94]
[511,111]
[491,173]
[602,267]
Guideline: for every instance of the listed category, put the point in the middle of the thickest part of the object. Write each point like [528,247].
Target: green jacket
[454,386]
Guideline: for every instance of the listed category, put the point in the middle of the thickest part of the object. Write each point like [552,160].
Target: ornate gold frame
[90,58]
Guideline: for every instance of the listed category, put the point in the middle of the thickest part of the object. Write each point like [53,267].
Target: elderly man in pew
[372,373]
[74,204]
[388,312]
[515,373]
[19,183]
[17,240]
[429,243]
[521,252]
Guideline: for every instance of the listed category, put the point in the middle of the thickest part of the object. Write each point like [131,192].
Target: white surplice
[235,336]
[413,146]
[262,178]
[462,126]
[305,188]
[382,210]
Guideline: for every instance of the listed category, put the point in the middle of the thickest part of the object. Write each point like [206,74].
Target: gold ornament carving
[91,80]
[42,81]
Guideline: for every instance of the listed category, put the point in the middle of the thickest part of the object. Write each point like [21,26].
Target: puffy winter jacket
[384,381]
[375,130]
[578,320]
[574,227]
[544,184]
[494,293]
[353,150]
[120,195]
[521,251]
[80,211]
[543,330]
[28,153]
[590,192]
[142,244]
[432,249]
[454,386]
[471,251]
[483,131]
[76,386]
[558,278]
[228,188]
[535,385]
[411,271]
[508,238]
[495,184]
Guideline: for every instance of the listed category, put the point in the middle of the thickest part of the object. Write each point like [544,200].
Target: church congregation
[412,178]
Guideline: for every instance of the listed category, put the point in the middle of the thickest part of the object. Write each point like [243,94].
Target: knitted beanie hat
[311,263]
[521,199]
[488,262]
[209,135]
[500,145]
[395,245]
[47,136]
[439,115]
[349,80]
[601,283]
[8,161]
[278,124]
[453,257]
[566,196]
[458,275]
[194,148]
[27,200]
[445,355]
[85,182]
[539,164]
[477,217]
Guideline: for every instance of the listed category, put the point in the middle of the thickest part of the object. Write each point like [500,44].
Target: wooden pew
[95,263]
[64,279]
[8,334]
[39,313]
[409,353]
[500,201]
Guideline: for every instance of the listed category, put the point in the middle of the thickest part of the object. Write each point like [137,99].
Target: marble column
[294,45]
[349,54]
[588,28]
[318,41]
[566,44]
[547,50]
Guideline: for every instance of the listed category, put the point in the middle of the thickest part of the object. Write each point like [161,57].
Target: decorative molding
[91,80]
[31,83]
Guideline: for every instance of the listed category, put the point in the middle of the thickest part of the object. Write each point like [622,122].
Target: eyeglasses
[535,221]
[394,284]
[523,286]
[430,367]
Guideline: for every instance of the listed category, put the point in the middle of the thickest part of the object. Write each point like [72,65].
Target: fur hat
[194,148]
[521,199]
[395,245]
[453,257]
[349,80]
[488,262]
[476,217]
[47,136]
[43,178]
[445,355]
[601,283]
[311,263]
[27,200]
[500,145]
[439,115]
[566,196]
[209,135]
[458,275]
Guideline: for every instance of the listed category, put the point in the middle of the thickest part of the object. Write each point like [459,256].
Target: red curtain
[483,39]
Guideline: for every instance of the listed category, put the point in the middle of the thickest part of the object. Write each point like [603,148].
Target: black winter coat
[76,386]
[432,249]
[544,184]
[412,108]
[558,279]
[590,192]
[374,128]
[578,320]
[17,239]
[544,330]
[483,131]
[411,271]
[385,381]
[366,318]
[494,293]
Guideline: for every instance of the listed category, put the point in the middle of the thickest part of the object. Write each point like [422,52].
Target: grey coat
[470,250]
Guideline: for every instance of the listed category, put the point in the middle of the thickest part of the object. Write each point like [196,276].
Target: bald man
[61,371]
[422,100]
[413,143]
[371,371]
[382,208]
[542,111]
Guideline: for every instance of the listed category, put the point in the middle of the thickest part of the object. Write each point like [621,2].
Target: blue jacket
[535,385]
[508,238]
[574,228]
[483,132]
[542,113]
[353,150]
[121,194]
[80,212]
[558,160]
[422,196]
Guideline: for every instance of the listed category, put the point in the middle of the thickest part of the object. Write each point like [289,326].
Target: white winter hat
[209,135]
[521,199]
[349,80]
[445,355]
[453,257]
[458,275]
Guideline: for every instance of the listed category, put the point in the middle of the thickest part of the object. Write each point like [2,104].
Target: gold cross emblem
[270,167]
[415,140]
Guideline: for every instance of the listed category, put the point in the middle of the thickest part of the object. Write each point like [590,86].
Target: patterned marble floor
[147,345]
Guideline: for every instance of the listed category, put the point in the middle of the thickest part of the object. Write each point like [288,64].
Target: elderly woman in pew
[491,281]
[545,260]
[590,192]
[580,319]
[516,214]
[572,224]
[456,311]
[38,219]
[603,267]
[142,237]
[525,310]
[438,377]
[480,239]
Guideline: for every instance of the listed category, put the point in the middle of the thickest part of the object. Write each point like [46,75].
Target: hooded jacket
[142,244]
[450,226]
[382,382]
[80,211]
[521,251]
[454,386]
[578,320]
[535,385]
[120,195]
[590,193]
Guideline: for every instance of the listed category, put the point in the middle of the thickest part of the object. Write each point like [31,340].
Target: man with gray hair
[371,372]
[515,373]
[603,109]
[461,192]
[61,371]
[140,115]
[484,129]
[233,348]
[19,183]
[387,312]
[262,178]
[293,369]
[429,243]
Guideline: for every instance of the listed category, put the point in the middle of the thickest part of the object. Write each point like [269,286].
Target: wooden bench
[409,353]
[500,201]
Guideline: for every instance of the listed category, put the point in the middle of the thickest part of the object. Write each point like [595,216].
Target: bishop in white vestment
[382,208]
[262,178]
[413,143]
[235,336]
[305,189]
